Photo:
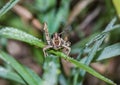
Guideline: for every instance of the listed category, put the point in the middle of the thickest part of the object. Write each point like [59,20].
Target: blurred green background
[85,19]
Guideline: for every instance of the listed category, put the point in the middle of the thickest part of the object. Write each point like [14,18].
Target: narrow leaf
[7,74]
[84,67]
[109,52]
[51,69]
[34,75]
[110,27]
[7,7]
[19,68]
[12,33]
[96,42]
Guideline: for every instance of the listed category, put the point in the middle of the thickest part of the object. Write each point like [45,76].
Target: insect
[56,42]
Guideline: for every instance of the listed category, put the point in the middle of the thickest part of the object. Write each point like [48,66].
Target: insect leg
[66,49]
[45,48]
[47,35]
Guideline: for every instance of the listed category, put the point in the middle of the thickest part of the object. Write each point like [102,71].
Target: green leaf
[61,15]
[8,6]
[109,52]
[12,33]
[62,80]
[96,43]
[55,18]
[51,69]
[84,67]
[34,75]
[3,42]
[91,56]
[44,5]
[116,4]
[110,27]
[8,33]
[83,42]
[38,54]
[19,68]
[7,74]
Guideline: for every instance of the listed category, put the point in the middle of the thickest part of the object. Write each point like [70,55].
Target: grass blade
[110,27]
[7,74]
[98,41]
[8,32]
[19,35]
[7,7]
[110,51]
[84,67]
[19,68]
[34,75]
[58,17]
[51,68]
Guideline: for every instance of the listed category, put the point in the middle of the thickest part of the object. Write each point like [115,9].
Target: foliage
[93,48]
